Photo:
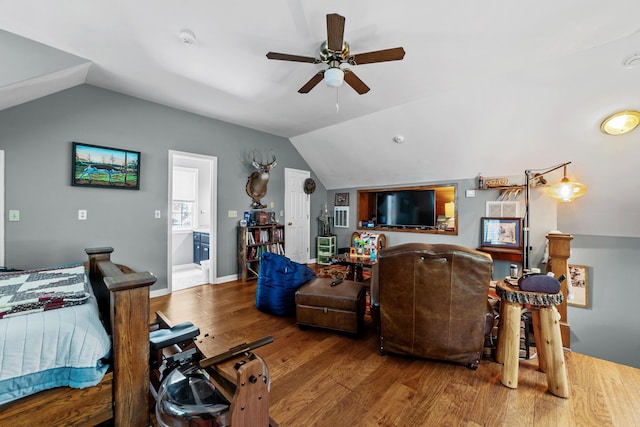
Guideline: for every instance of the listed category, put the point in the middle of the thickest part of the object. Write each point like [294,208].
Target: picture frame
[342,199]
[104,167]
[501,232]
[578,285]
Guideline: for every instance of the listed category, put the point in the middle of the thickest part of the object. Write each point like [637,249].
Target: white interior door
[296,212]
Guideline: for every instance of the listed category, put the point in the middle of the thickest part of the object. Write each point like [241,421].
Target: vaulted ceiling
[497,86]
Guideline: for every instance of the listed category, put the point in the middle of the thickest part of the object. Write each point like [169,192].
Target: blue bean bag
[278,280]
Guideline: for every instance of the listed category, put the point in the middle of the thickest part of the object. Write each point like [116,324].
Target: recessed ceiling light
[187,37]
[621,122]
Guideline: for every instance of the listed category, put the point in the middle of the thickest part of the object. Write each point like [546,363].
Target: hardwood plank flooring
[320,377]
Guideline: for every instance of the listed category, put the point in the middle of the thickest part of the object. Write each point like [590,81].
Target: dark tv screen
[411,208]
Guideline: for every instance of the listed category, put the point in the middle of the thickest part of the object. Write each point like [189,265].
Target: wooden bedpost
[559,253]
[129,313]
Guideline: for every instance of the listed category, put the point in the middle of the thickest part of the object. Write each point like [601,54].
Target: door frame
[213,215]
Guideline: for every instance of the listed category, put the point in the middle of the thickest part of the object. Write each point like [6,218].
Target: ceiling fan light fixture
[334,77]
[621,122]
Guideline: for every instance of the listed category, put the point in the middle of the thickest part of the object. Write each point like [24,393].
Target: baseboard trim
[229,278]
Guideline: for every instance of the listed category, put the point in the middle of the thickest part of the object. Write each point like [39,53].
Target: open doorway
[192,221]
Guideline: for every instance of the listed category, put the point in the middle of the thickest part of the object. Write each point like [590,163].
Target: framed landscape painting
[104,167]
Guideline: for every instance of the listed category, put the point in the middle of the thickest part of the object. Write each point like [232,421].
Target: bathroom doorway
[192,220]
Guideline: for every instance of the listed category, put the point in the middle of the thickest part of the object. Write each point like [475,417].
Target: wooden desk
[503,254]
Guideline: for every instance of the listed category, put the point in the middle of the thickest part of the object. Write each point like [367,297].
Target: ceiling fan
[335,52]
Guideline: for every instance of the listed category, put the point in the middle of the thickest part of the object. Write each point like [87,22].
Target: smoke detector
[187,37]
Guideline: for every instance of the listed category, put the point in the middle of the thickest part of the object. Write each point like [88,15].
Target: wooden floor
[323,378]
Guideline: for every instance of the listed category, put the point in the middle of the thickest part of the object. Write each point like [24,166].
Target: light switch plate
[233,214]
[157,214]
[14,215]
[470,193]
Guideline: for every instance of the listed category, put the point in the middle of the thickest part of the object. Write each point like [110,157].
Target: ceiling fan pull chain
[337,104]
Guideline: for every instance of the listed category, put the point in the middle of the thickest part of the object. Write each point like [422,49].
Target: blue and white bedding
[52,348]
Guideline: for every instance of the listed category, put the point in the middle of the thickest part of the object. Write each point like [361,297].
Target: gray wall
[37,137]
[609,328]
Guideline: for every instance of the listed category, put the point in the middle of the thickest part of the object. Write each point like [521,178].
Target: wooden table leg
[510,337]
[540,349]
[349,273]
[552,341]
[501,339]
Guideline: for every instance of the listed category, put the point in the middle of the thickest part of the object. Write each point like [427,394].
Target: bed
[122,394]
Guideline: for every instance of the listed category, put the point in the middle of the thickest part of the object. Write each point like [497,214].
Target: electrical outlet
[82,214]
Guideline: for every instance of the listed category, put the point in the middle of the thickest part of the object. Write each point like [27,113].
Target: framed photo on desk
[501,232]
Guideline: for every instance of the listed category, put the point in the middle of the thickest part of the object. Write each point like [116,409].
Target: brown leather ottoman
[339,307]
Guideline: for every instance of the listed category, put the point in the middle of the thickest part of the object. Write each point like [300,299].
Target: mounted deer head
[258,180]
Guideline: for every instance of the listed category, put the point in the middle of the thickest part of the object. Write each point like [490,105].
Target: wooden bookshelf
[253,241]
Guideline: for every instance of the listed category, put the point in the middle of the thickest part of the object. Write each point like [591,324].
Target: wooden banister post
[559,253]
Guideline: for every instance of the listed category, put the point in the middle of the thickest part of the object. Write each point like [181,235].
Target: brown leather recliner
[430,300]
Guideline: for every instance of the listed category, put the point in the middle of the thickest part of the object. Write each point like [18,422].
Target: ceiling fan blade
[355,82]
[394,54]
[295,58]
[317,78]
[335,32]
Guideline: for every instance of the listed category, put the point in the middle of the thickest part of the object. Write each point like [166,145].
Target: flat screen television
[406,208]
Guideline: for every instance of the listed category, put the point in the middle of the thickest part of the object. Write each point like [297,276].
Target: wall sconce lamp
[565,191]
[621,122]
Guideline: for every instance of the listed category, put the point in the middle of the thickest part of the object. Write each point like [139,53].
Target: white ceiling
[494,86]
